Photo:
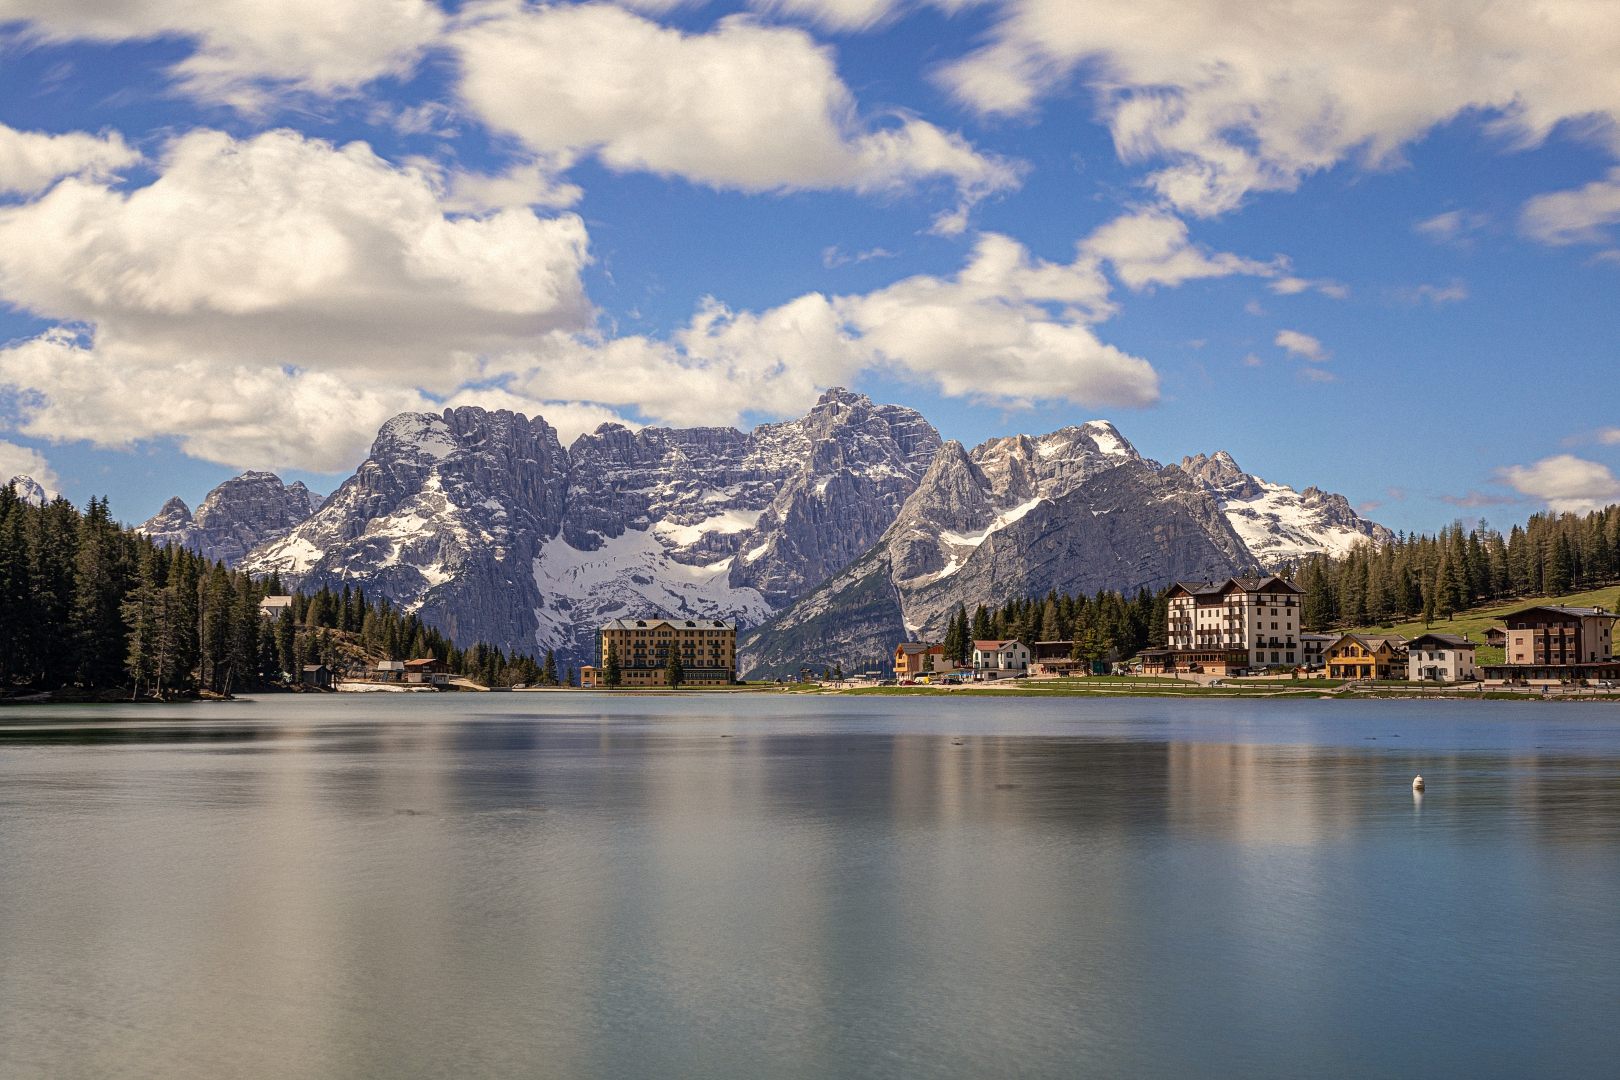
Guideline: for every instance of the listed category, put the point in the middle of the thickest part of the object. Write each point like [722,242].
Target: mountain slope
[496,532]
[1278,524]
[1076,510]
[235,517]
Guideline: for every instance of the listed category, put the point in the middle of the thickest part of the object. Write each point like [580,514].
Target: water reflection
[706,893]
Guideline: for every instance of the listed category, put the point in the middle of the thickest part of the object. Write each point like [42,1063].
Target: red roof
[994,646]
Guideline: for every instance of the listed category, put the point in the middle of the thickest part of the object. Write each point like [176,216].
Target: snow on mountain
[1076,509]
[235,517]
[493,531]
[1279,524]
[30,491]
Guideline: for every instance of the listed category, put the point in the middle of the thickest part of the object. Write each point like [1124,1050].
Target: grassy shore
[1476,621]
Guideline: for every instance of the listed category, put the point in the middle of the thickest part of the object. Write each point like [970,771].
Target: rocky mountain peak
[1278,524]
[1022,467]
[234,517]
[30,491]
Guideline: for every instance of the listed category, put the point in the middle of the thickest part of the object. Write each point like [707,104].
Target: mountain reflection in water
[498,885]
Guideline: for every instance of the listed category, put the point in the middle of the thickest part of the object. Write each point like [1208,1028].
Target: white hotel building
[1228,626]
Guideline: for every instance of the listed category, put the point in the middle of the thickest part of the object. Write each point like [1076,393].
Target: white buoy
[1417,784]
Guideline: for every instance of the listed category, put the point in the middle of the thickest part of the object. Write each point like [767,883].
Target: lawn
[1474,622]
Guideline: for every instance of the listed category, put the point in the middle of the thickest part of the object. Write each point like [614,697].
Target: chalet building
[271,607]
[912,658]
[707,648]
[1000,659]
[1226,627]
[1558,644]
[1367,656]
[1496,636]
[430,670]
[1055,658]
[1441,658]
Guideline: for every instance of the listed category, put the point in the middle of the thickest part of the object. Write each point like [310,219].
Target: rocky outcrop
[1076,510]
[235,517]
[1278,524]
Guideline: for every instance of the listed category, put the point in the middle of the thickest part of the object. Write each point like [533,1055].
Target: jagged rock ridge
[235,517]
[495,532]
[1076,509]
[1278,524]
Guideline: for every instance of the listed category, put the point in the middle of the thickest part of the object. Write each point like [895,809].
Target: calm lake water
[549,885]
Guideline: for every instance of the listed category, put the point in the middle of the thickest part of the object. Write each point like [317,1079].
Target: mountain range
[825,538]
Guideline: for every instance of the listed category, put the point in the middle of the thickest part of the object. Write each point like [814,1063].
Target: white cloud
[744,106]
[1432,294]
[270,300]
[834,14]
[26,461]
[248,48]
[1152,248]
[1574,217]
[1451,227]
[1609,436]
[988,334]
[31,161]
[1302,346]
[1230,97]
[1565,483]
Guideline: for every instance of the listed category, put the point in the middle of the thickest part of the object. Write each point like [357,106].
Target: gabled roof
[1373,641]
[1212,589]
[995,646]
[676,624]
[917,647]
[1450,641]
[1572,612]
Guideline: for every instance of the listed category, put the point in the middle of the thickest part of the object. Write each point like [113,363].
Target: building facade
[1000,659]
[1558,644]
[1313,650]
[1441,658]
[707,648]
[1368,656]
[1224,627]
[912,658]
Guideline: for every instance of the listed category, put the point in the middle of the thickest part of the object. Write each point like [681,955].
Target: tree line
[87,602]
[1433,577]
[1108,625]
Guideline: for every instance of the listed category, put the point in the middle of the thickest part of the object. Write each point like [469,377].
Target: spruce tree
[1557,574]
[674,673]
[610,666]
[549,674]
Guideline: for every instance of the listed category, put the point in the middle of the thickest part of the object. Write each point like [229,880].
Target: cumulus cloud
[1152,248]
[272,292]
[1574,217]
[1302,346]
[834,14]
[26,461]
[247,49]
[31,161]
[1565,483]
[268,302]
[1007,330]
[1238,96]
[744,107]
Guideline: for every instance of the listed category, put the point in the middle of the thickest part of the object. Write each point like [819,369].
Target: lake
[566,885]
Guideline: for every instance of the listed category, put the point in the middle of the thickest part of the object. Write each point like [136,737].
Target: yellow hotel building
[707,648]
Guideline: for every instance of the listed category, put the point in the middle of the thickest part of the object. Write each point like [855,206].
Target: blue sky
[1366,248]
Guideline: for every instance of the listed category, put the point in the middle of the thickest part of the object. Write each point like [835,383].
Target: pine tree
[610,667]
[1557,574]
[549,674]
[674,673]
[982,627]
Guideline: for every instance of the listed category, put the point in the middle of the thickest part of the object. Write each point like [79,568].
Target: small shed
[317,675]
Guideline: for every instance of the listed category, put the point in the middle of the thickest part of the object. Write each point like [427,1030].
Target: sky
[1370,248]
